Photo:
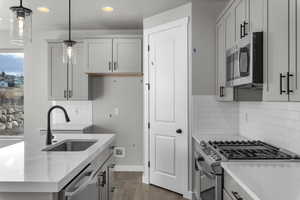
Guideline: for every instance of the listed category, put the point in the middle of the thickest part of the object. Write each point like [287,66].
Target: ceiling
[87,14]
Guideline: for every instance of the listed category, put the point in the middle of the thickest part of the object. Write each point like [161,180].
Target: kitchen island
[28,172]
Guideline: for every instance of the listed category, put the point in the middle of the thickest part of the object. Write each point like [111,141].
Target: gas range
[217,151]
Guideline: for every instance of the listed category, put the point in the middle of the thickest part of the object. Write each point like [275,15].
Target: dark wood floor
[129,186]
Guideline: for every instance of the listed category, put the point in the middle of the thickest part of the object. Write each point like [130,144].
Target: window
[11,93]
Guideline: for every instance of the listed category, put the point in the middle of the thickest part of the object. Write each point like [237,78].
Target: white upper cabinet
[127,55]
[78,79]
[241,9]
[99,55]
[294,72]
[114,55]
[276,42]
[222,92]
[66,81]
[230,29]
[57,70]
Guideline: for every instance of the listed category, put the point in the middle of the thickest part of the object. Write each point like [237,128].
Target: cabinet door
[127,55]
[99,55]
[295,50]
[241,8]
[57,71]
[78,79]
[256,15]
[223,93]
[276,42]
[230,29]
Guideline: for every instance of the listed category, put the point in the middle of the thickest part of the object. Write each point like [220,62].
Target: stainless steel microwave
[244,63]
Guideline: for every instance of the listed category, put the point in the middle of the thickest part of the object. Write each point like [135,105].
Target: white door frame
[146,133]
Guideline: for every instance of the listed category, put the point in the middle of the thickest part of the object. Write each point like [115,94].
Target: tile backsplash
[274,122]
[80,112]
[212,117]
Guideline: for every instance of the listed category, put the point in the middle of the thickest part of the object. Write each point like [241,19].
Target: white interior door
[168,72]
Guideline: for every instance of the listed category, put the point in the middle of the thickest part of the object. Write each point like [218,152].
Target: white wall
[204,16]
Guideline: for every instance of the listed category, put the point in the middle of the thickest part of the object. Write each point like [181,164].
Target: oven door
[210,184]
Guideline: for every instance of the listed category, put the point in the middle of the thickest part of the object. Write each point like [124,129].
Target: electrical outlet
[119,152]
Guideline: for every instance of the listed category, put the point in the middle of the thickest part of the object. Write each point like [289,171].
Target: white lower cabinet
[232,190]
[66,81]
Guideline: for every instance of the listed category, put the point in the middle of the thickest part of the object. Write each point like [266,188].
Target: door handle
[281,90]
[178,131]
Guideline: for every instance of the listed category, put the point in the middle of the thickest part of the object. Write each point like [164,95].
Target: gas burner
[250,150]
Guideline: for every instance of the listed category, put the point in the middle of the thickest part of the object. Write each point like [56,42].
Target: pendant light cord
[21,3]
[69,19]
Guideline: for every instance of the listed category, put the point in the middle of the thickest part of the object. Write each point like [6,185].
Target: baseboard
[145,179]
[129,168]
[188,195]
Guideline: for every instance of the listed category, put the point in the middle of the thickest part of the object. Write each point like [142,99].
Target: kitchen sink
[71,145]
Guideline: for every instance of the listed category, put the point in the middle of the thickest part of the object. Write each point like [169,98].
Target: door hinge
[148,47]
[149,164]
[148,125]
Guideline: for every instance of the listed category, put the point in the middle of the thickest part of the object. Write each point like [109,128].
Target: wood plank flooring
[129,186]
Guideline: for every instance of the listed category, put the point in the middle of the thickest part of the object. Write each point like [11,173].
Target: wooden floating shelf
[138,74]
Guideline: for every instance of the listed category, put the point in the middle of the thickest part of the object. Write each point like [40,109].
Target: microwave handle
[244,26]
[241,31]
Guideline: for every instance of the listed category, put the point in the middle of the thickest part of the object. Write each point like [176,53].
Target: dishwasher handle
[82,180]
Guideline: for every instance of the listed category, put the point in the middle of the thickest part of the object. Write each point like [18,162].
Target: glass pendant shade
[21,25]
[69,52]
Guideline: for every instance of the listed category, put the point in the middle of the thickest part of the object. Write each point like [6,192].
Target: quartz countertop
[68,127]
[267,181]
[24,167]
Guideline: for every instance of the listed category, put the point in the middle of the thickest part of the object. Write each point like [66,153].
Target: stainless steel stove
[209,155]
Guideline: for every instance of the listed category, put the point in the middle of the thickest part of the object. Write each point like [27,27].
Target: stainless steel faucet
[49,133]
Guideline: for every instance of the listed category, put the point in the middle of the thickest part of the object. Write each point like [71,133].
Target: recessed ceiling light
[107,9]
[43,9]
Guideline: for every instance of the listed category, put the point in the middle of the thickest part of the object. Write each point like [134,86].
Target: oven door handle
[207,173]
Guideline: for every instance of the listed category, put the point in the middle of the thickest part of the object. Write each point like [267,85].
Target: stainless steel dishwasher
[92,183]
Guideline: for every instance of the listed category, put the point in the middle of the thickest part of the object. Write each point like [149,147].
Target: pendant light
[69,55]
[21,24]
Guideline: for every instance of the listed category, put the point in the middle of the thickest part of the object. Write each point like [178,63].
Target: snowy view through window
[11,94]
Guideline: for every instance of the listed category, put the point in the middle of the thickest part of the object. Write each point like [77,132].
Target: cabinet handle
[70,93]
[103,179]
[110,66]
[237,196]
[281,90]
[115,66]
[244,27]
[222,91]
[65,93]
[288,83]
[241,31]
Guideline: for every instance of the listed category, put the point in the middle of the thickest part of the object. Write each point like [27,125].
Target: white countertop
[267,181]
[25,168]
